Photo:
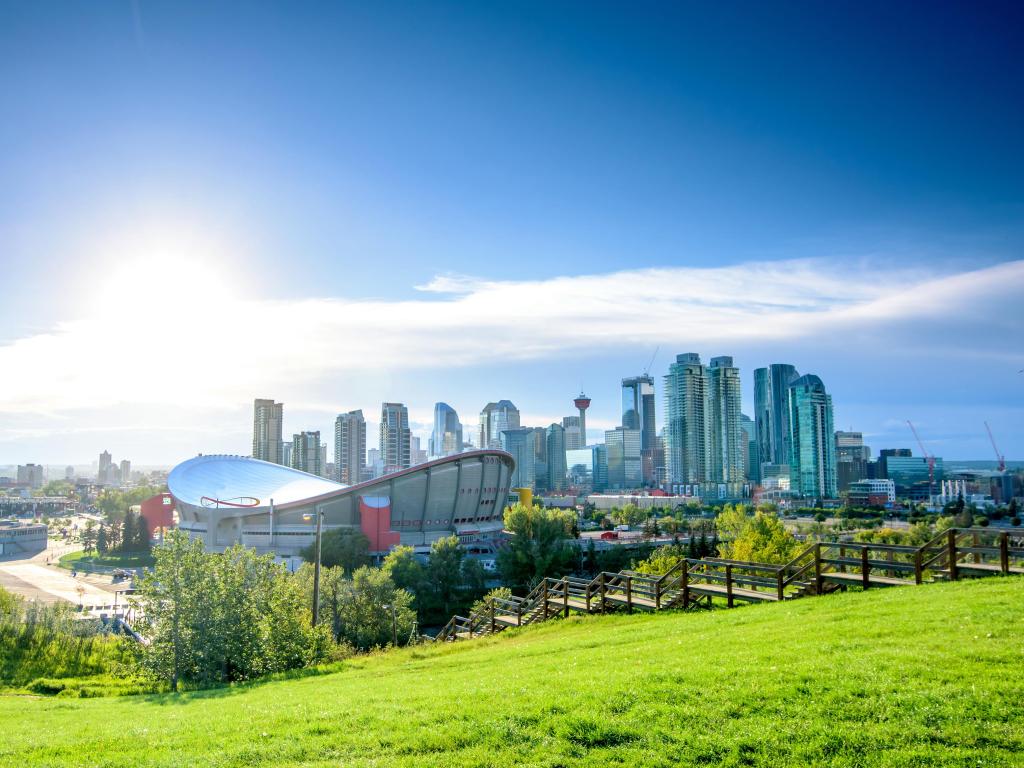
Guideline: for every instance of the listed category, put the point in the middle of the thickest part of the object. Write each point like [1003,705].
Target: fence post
[519,614]
[778,578]
[604,591]
[686,584]
[492,616]
[817,568]
[1004,553]
[544,598]
[951,546]
[629,594]
[728,584]
[864,567]
[565,597]
[977,543]
[657,595]
[918,574]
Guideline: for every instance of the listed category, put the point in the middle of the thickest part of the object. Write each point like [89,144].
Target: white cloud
[200,346]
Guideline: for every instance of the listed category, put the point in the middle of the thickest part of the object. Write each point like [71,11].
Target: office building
[600,467]
[105,472]
[556,469]
[520,443]
[912,477]
[349,447]
[306,453]
[395,443]
[495,418]
[852,458]
[125,471]
[748,436]
[267,441]
[685,425]
[574,439]
[416,454]
[579,464]
[31,475]
[726,447]
[446,436]
[623,458]
[812,463]
[871,493]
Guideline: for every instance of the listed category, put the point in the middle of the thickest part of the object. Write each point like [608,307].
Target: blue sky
[337,204]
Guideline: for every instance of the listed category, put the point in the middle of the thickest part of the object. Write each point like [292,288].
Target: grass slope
[917,676]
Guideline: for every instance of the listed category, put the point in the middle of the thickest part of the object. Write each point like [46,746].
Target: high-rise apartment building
[306,453]
[771,412]
[267,437]
[521,443]
[812,462]
[752,466]
[495,418]
[686,425]
[350,447]
[556,468]
[126,470]
[623,457]
[638,409]
[726,448]
[446,437]
[852,458]
[394,436]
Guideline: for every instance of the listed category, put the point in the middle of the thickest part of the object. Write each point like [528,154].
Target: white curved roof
[241,481]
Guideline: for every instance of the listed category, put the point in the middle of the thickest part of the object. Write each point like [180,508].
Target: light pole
[316,565]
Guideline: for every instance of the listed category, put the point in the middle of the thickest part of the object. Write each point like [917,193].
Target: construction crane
[999,457]
[647,370]
[930,459]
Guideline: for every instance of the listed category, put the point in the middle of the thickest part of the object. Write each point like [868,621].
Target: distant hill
[981,464]
[925,675]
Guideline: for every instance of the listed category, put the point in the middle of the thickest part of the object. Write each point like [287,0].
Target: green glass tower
[812,463]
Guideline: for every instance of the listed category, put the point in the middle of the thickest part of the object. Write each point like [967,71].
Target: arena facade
[226,500]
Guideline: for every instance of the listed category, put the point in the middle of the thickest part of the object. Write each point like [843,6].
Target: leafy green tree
[539,545]
[483,604]
[405,570]
[367,611]
[444,572]
[143,541]
[345,548]
[630,515]
[761,538]
[662,560]
[102,544]
[58,488]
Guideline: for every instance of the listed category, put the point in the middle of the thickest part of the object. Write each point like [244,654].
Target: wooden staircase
[821,568]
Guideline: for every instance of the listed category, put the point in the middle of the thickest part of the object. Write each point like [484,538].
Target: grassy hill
[922,676]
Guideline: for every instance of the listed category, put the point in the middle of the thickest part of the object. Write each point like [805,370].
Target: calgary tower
[582,402]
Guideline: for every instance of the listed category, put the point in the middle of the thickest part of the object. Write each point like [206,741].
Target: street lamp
[316,564]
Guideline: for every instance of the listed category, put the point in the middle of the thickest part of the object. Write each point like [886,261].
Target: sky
[339,204]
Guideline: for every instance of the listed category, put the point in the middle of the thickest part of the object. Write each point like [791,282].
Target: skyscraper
[103,473]
[446,437]
[520,442]
[771,412]
[557,470]
[306,452]
[686,426]
[574,439]
[638,409]
[624,467]
[726,448]
[752,467]
[394,436]
[582,402]
[267,440]
[350,447]
[495,418]
[851,459]
[812,463]
[126,470]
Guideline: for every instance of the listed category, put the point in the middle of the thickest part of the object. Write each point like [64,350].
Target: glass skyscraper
[812,463]
[446,437]
[623,446]
[726,447]
[771,413]
[520,442]
[495,418]
[556,468]
[686,426]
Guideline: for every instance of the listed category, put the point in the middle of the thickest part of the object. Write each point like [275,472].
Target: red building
[158,512]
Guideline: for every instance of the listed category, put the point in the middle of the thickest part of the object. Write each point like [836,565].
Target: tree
[367,611]
[662,560]
[129,536]
[539,545]
[143,540]
[89,537]
[760,539]
[102,544]
[630,515]
[483,605]
[403,567]
[342,547]
[444,571]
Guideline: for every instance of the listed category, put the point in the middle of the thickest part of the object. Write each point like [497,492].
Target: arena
[226,500]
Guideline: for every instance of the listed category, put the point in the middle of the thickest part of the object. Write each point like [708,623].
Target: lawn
[79,559]
[914,676]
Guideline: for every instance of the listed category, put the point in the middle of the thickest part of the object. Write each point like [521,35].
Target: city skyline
[421,206]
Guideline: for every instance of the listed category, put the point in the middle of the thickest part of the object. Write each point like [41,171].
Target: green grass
[78,559]
[915,676]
